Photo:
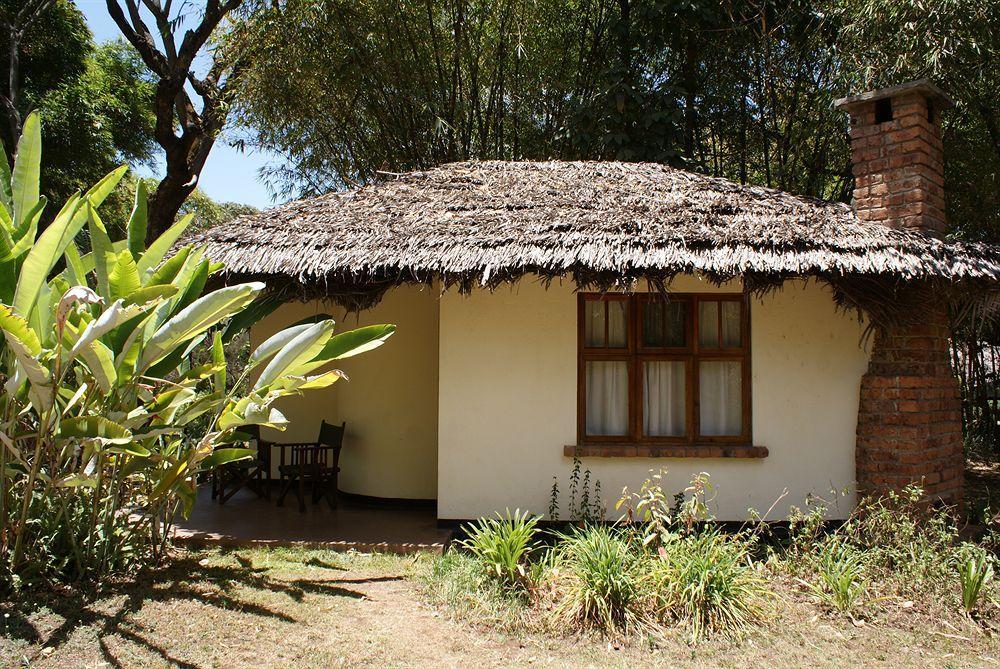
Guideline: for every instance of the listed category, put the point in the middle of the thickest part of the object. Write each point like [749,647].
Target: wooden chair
[316,463]
[254,473]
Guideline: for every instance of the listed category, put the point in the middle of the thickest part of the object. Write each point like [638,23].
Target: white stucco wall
[507,404]
[389,404]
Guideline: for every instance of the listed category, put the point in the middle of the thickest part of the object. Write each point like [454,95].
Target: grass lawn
[302,608]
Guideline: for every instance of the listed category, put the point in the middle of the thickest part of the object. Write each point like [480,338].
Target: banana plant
[97,408]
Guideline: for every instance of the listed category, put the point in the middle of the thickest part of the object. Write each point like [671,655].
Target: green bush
[599,580]
[97,396]
[707,582]
[502,546]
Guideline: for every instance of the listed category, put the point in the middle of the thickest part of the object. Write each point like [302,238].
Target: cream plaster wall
[389,404]
[508,404]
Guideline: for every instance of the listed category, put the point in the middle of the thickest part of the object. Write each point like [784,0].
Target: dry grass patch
[279,608]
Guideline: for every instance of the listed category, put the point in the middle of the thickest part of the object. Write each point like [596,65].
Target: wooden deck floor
[247,520]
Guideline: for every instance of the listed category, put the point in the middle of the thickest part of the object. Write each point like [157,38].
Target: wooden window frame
[635,354]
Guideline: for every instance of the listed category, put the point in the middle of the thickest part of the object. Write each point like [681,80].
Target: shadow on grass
[184,577]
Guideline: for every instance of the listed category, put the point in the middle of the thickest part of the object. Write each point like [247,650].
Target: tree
[16,22]
[94,101]
[185,133]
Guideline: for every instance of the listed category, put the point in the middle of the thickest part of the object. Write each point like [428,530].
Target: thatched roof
[488,222]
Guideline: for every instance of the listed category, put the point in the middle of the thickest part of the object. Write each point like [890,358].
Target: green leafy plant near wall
[95,464]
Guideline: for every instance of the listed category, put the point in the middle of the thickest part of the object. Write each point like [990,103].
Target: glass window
[708,324]
[607,397]
[664,398]
[721,397]
[593,326]
[731,325]
[676,351]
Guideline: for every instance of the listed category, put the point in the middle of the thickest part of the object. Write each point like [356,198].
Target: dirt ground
[288,608]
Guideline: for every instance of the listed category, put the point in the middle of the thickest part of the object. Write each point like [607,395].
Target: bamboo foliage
[97,398]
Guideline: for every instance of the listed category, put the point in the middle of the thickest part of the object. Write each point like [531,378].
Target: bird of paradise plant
[94,459]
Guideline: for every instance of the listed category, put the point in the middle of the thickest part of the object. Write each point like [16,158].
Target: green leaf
[43,255]
[24,343]
[130,448]
[149,294]
[219,358]
[168,270]
[223,456]
[197,317]
[123,279]
[100,361]
[26,177]
[6,194]
[277,341]
[25,235]
[300,350]
[353,342]
[154,255]
[261,307]
[137,222]
[74,265]
[103,254]
[77,481]
[99,428]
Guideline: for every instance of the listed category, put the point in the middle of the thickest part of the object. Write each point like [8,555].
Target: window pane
[708,324]
[607,397]
[721,395]
[664,398]
[617,333]
[652,323]
[593,312]
[731,325]
[676,332]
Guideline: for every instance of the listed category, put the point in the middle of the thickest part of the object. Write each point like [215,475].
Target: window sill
[664,451]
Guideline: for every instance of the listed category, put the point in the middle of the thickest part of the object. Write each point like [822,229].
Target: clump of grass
[599,581]
[707,582]
[975,571]
[840,572]
[457,582]
[502,546]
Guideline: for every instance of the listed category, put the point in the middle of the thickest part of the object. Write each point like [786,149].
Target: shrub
[707,582]
[94,460]
[904,538]
[599,578]
[502,546]
[975,571]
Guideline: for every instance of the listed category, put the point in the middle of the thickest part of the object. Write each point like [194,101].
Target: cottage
[637,317]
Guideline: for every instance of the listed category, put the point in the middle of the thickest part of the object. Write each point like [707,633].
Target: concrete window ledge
[664,451]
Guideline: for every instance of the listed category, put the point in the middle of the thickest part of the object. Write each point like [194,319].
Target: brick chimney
[897,156]
[909,415]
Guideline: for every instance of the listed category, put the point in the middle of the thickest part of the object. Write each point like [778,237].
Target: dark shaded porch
[248,520]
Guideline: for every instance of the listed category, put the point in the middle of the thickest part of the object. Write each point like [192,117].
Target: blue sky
[229,175]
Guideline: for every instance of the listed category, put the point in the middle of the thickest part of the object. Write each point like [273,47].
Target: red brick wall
[909,420]
[898,164]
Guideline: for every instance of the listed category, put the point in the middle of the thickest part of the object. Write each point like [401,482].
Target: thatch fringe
[605,224]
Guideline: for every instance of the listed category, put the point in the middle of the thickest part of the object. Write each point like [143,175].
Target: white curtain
[607,397]
[721,394]
[664,398]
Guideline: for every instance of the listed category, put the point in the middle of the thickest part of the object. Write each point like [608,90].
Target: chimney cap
[925,86]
